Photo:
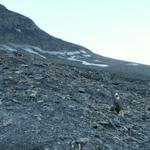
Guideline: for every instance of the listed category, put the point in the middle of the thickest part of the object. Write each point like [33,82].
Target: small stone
[24,65]
[83,140]
[121,113]
[14,100]
[46,148]
[38,116]
[98,90]
[40,101]
[148,108]
[33,93]
[81,90]
[18,71]
[7,122]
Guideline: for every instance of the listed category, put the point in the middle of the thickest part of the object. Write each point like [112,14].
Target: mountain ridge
[33,35]
[55,95]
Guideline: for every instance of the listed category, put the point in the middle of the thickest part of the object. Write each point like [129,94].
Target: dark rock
[49,103]
[2,8]
[81,90]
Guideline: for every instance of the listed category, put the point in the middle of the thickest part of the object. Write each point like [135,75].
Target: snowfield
[82,56]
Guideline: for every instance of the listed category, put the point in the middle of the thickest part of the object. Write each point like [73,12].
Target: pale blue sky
[114,28]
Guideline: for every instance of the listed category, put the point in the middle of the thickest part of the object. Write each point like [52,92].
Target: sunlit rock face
[56,95]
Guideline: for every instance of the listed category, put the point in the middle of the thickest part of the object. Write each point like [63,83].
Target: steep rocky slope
[16,28]
[55,95]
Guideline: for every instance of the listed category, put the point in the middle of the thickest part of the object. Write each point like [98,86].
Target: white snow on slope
[87,63]
[96,60]
[73,53]
[32,51]
[63,53]
[70,55]
[6,47]
[133,64]
[92,64]
[86,55]
[78,56]
[72,58]
[83,51]
[18,30]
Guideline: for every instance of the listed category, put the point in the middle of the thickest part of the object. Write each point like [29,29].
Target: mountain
[56,95]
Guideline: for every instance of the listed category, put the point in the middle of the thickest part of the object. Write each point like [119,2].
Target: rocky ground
[52,106]
[56,95]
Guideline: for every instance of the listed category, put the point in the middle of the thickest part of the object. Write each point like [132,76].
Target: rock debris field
[53,106]
[56,95]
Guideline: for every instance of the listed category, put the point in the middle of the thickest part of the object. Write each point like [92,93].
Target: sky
[113,28]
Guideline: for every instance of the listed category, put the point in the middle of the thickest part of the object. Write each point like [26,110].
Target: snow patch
[133,64]
[63,53]
[18,30]
[53,53]
[97,60]
[87,63]
[32,51]
[14,47]
[72,58]
[83,51]
[87,55]
[73,53]
[6,47]
[70,55]
[92,64]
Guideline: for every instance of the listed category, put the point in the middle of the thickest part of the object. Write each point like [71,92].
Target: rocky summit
[56,95]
